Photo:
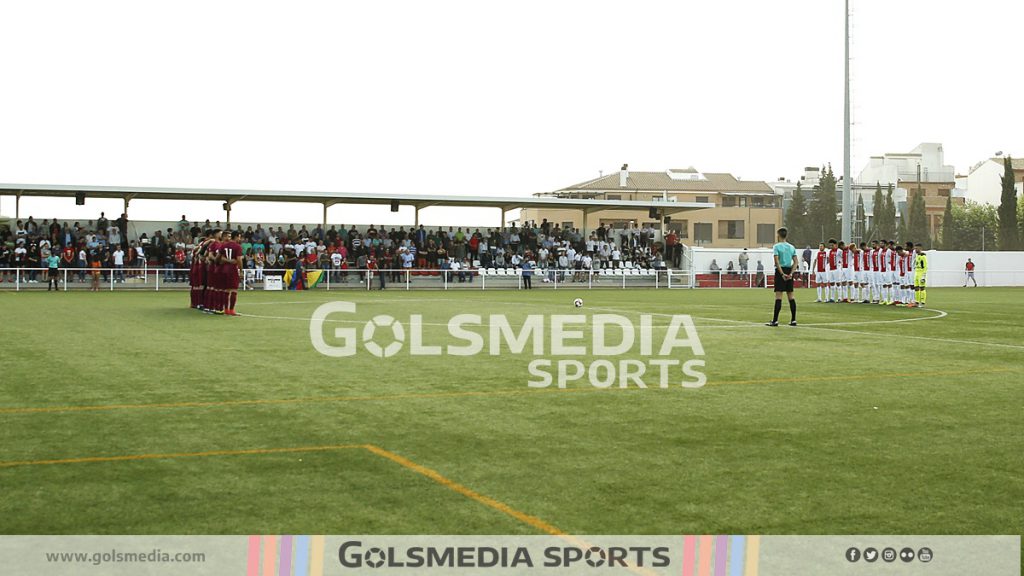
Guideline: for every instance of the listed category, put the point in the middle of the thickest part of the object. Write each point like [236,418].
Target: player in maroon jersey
[213,291]
[195,275]
[231,256]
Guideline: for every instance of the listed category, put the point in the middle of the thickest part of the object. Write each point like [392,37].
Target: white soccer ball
[578,302]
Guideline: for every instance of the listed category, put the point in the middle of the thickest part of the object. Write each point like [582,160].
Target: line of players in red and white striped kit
[216,262]
[882,273]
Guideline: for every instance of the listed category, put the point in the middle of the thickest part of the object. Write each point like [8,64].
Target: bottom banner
[688,555]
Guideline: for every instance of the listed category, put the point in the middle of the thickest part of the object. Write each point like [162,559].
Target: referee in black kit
[785,264]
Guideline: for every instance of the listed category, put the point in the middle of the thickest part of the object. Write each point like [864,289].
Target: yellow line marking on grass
[300,400]
[849,377]
[461,394]
[434,475]
[134,457]
[430,473]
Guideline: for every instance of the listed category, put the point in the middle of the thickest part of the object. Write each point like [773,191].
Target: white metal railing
[152,278]
[156,278]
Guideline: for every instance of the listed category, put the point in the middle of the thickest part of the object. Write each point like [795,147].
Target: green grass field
[850,424]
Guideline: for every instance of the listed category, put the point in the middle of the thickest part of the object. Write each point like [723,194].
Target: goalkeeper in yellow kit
[920,271]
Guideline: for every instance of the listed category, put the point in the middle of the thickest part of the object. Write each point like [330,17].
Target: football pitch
[128,413]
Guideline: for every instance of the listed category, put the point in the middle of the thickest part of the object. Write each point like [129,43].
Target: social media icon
[853,554]
[889,554]
[924,554]
[907,554]
[870,554]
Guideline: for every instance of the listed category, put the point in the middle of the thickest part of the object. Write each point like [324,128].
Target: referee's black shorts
[781,284]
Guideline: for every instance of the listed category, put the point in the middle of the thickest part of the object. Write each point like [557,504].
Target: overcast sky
[484,97]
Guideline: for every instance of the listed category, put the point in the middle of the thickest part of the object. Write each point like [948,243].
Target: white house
[984,181]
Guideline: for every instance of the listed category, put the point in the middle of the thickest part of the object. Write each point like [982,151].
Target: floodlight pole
[846,228]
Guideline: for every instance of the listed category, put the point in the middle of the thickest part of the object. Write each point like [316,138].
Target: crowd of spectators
[107,244]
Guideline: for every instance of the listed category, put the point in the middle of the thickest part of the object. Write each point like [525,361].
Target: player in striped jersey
[865,273]
[833,271]
[843,262]
[884,273]
[907,282]
[855,260]
[821,272]
[876,276]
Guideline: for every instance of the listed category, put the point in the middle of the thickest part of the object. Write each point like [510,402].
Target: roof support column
[227,210]
[416,217]
[127,199]
[325,215]
[17,206]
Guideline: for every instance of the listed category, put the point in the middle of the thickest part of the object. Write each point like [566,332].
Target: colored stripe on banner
[285,566]
[302,556]
[705,548]
[753,555]
[316,563]
[689,554]
[269,555]
[721,554]
[736,555]
[253,565]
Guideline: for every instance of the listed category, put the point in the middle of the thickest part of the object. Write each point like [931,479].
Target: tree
[1020,222]
[796,218]
[887,217]
[974,226]
[824,208]
[1009,236]
[877,204]
[947,225]
[859,224]
[917,225]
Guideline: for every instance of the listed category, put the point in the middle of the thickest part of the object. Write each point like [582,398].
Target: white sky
[482,97]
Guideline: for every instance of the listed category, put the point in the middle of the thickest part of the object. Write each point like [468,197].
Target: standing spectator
[94,264]
[180,264]
[744,259]
[118,258]
[83,262]
[527,274]
[759,279]
[807,258]
[20,260]
[33,262]
[5,261]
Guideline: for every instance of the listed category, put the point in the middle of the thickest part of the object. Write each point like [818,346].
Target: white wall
[702,258]
[945,268]
[991,268]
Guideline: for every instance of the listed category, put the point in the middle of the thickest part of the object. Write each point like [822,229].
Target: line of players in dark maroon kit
[216,262]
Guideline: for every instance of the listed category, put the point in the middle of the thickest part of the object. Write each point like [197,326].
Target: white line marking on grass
[928,338]
[940,314]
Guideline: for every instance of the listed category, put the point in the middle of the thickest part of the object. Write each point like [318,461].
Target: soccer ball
[578,302]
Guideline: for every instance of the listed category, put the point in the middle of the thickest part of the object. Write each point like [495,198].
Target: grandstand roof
[661,181]
[333,198]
